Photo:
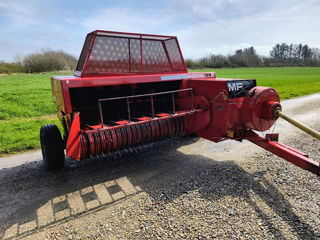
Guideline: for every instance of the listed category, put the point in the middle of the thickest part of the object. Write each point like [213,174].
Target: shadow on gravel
[32,199]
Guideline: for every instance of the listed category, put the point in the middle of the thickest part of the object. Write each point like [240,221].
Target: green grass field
[288,81]
[26,103]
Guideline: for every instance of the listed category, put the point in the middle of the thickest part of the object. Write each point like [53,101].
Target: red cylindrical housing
[257,108]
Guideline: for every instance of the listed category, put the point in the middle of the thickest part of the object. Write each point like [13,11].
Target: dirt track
[188,188]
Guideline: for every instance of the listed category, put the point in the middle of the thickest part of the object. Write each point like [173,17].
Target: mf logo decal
[234,86]
[240,88]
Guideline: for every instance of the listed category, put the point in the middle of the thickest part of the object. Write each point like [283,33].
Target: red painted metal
[184,63]
[73,144]
[141,54]
[153,97]
[291,155]
[154,57]
[88,56]
[257,108]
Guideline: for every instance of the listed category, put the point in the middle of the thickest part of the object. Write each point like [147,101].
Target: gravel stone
[187,192]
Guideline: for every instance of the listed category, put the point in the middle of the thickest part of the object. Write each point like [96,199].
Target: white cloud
[26,13]
[30,26]
[283,22]
[202,26]
[221,26]
[127,20]
[223,9]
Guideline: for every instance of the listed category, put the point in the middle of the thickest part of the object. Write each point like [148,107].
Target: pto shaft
[277,113]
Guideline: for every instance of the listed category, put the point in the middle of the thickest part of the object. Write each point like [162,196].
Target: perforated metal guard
[108,53]
[84,52]
[177,61]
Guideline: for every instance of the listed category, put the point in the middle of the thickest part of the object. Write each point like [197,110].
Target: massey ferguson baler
[133,89]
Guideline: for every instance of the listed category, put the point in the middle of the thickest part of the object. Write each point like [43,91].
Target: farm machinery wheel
[52,147]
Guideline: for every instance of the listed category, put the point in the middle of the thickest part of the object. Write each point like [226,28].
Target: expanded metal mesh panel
[121,54]
[109,55]
[174,55]
[154,57]
[135,55]
[84,52]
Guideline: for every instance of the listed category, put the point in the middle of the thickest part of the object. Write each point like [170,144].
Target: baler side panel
[225,112]
[213,90]
[58,99]
[66,95]
[57,95]
[61,97]
[209,88]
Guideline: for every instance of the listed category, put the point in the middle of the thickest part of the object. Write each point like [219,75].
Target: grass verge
[22,134]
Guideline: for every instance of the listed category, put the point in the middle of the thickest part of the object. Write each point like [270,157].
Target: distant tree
[49,60]
[290,53]
[246,57]
[306,52]
[280,51]
[9,68]
[190,63]
[281,54]
[315,54]
[217,61]
[297,52]
[249,51]
[275,52]
[238,59]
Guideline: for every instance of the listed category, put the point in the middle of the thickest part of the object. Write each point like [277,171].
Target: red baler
[132,89]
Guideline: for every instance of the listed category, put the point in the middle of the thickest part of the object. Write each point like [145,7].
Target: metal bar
[133,74]
[192,101]
[181,55]
[135,38]
[100,112]
[293,156]
[129,50]
[89,54]
[298,124]
[128,106]
[141,54]
[167,54]
[134,34]
[146,95]
[173,103]
[143,95]
[292,149]
[152,106]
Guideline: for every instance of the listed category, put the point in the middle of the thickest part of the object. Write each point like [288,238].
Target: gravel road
[182,189]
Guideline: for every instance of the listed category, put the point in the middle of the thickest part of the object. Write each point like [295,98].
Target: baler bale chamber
[132,89]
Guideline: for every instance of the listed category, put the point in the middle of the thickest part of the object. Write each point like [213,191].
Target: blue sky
[202,26]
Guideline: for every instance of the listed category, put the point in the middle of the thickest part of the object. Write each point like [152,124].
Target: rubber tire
[52,147]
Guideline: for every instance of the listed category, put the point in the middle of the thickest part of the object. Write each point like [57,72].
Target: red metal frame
[212,110]
[291,155]
[141,37]
[185,65]
[88,56]
[141,54]
[134,34]
[151,95]
[68,82]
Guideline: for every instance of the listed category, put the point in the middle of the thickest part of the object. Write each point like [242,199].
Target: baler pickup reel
[148,125]
[133,89]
